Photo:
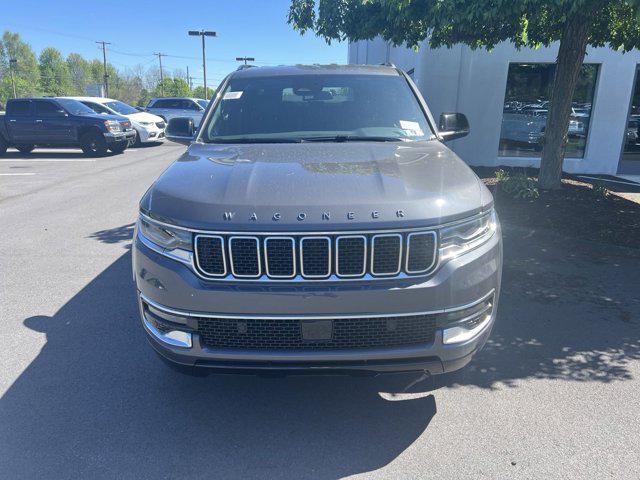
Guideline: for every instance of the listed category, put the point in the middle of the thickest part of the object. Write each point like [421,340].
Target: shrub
[518,185]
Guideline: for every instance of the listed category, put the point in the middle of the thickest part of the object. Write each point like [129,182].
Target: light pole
[160,55]
[203,33]
[245,59]
[12,64]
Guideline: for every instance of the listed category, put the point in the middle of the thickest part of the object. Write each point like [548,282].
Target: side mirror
[180,130]
[453,125]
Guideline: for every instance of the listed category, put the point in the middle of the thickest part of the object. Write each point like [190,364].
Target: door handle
[38,121]
[13,120]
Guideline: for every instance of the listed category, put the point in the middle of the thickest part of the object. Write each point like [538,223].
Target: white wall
[474,82]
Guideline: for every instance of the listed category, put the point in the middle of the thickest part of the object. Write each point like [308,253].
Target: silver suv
[317,221]
[174,107]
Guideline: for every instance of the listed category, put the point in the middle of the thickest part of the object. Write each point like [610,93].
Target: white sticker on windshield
[412,128]
[232,95]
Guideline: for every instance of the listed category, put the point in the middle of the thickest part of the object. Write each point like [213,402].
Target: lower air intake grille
[344,333]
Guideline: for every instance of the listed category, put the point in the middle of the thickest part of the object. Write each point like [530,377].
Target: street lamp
[245,59]
[203,33]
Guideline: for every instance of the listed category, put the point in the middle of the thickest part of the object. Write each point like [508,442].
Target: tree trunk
[573,45]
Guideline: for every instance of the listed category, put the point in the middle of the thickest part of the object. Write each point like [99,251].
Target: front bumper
[113,138]
[170,286]
[150,134]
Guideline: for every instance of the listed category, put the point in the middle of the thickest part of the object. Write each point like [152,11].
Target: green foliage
[477,23]
[172,87]
[198,92]
[55,79]
[517,186]
[26,72]
[600,189]
[79,72]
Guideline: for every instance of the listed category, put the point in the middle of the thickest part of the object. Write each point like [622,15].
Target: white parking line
[47,160]
[15,174]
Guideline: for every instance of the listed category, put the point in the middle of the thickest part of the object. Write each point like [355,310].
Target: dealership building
[504,93]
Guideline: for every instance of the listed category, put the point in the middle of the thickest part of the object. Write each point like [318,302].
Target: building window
[526,104]
[631,151]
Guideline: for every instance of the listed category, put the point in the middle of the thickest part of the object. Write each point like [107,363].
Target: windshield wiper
[255,140]
[352,138]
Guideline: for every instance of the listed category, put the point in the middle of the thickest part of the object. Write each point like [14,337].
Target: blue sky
[138,28]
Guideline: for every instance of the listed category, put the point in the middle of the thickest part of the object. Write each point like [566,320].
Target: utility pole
[12,64]
[189,79]
[160,55]
[245,59]
[203,33]
[104,66]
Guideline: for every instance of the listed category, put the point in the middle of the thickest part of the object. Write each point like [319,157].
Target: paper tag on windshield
[232,95]
[412,128]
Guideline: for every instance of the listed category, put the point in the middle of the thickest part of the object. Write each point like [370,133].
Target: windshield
[203,103]
[75,107]
[121,108]
[317,108]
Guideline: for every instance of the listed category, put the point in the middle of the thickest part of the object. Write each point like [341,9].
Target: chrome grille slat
[351,255]
[386,254]
[313,257]
[280,257]
[247,250]
[321,257]
[421,252]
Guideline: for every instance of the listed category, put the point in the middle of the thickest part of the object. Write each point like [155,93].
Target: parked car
[308,228]
[173,107]
[632,131]
[60,122]
[148,127]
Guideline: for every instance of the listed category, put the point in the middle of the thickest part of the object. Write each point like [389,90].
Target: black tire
[93,144]
[3,146]
[119,147]
[25,148]
[137,142]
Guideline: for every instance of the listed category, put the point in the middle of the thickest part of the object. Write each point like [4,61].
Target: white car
[149,127]
[173,107]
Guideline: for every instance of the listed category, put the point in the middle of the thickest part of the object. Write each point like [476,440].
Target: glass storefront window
[526,105]
[631,151]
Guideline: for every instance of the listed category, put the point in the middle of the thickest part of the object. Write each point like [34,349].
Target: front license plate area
[314,330]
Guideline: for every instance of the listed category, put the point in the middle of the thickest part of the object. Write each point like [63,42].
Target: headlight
[173,240]
[112,126]
[461,238]
[146,124]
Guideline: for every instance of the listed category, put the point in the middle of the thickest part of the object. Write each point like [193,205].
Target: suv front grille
[315,257]
[340,333]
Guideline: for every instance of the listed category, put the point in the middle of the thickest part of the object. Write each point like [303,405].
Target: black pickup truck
[61,122]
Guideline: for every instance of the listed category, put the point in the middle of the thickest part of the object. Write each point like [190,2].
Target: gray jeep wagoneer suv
[317,222]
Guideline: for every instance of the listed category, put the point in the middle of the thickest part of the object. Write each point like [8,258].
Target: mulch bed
[573,211]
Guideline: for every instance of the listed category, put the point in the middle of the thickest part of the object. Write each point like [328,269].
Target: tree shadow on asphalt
[50,154]
[115,235]
[97,403]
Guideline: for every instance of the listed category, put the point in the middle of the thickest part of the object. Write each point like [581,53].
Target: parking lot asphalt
[555,394]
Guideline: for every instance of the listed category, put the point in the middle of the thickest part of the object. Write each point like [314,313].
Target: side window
[48,109]
[159,104]
[96,107]
[19,108]
[190,105]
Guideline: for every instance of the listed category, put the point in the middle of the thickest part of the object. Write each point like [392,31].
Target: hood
[315,185]
[104,116]
[144,117]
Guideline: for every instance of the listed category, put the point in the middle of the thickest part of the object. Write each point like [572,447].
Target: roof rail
[388,64]
[243,66]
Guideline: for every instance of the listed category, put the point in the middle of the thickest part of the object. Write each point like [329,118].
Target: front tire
[119,148]
[137,143]
[25,148]
[93,144]
[3,146]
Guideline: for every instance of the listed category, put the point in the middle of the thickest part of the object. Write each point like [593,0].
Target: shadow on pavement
[115,235]
[37,154]
[97,403]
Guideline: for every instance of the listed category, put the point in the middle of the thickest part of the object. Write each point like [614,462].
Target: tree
[54,73]
[26,73]
[483,24]
[79,72]
[172,87]
[198,92]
